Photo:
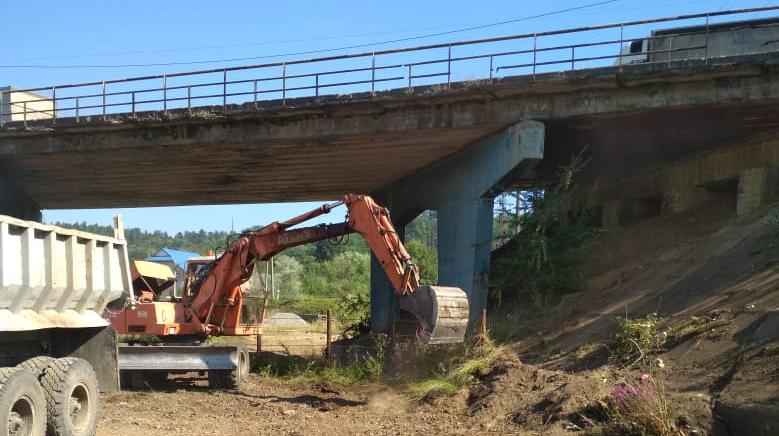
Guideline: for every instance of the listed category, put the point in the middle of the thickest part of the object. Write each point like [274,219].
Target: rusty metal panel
[56,277]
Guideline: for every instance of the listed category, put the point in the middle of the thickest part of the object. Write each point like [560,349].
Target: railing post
[573,58]
[2,99]
[284,84]
[373,73]
[165,94]
[255,94]
[224,91]
[670,49]
[449,69]
[24,108]
[706,53]
[53,105]
[409,75]
[189,100]
[329,343]
[133,103]
[316,86]
[103,100]
[491,67]
[78,120]
[535,53]
[621,43]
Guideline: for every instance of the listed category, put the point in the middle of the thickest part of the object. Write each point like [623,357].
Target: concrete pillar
[681,198]
[15,202]
[755,187]
[458,188]
[464,248]
[384,302]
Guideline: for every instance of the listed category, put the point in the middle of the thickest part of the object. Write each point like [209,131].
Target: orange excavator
[212,300]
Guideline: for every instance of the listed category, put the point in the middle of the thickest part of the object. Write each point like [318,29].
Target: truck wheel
[36,365]
[72,397]
[22,404]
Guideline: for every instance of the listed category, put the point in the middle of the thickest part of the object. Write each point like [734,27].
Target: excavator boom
[442,313]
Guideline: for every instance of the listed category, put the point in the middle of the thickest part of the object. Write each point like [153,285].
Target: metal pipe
[329,344]
[255,94]
[77,110]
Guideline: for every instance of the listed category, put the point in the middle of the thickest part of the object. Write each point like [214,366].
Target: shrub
[635,338]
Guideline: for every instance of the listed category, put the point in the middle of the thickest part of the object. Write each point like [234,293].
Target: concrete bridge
[447,148]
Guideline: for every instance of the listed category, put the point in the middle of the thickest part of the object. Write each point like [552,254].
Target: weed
[360,367]
[456,373]
[635,338]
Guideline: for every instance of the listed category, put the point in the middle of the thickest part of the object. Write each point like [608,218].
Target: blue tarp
[170,255]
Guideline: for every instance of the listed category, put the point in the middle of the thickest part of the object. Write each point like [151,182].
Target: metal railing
[134,95]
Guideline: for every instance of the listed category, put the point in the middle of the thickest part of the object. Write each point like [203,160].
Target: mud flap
[441,311]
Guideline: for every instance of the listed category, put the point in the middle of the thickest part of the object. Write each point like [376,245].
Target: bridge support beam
[15,202]
[460,189]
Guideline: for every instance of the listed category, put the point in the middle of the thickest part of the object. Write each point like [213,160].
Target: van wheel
[72,397]
[22,404]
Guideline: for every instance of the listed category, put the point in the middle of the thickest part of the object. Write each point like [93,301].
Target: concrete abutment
[15,202]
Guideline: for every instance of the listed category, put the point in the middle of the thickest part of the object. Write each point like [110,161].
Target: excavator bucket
[441,311]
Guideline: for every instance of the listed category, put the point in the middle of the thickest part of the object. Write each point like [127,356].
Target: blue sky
[56,33]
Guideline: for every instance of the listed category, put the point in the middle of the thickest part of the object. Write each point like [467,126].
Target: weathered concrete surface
[458,189]
[313,150]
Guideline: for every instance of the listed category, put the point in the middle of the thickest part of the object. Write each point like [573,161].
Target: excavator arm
[442,312]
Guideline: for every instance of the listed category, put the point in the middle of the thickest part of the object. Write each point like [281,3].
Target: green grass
[456,373]
[315,369]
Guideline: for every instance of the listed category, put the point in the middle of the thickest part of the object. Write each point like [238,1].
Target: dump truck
[57,351]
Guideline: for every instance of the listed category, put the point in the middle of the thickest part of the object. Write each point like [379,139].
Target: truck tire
[36,365]
[22,404]
[72,397]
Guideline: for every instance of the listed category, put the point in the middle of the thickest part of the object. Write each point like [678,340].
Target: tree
[426,259]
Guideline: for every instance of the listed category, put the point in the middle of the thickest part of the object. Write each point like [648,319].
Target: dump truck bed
[52,277]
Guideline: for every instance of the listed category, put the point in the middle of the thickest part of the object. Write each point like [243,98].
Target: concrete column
[384,302]
[464,248]
[682,198]
[756,186]
[15,202]
[458,187]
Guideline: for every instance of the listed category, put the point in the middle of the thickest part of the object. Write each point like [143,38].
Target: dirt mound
[285,319]
[714,279]
[514,396]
